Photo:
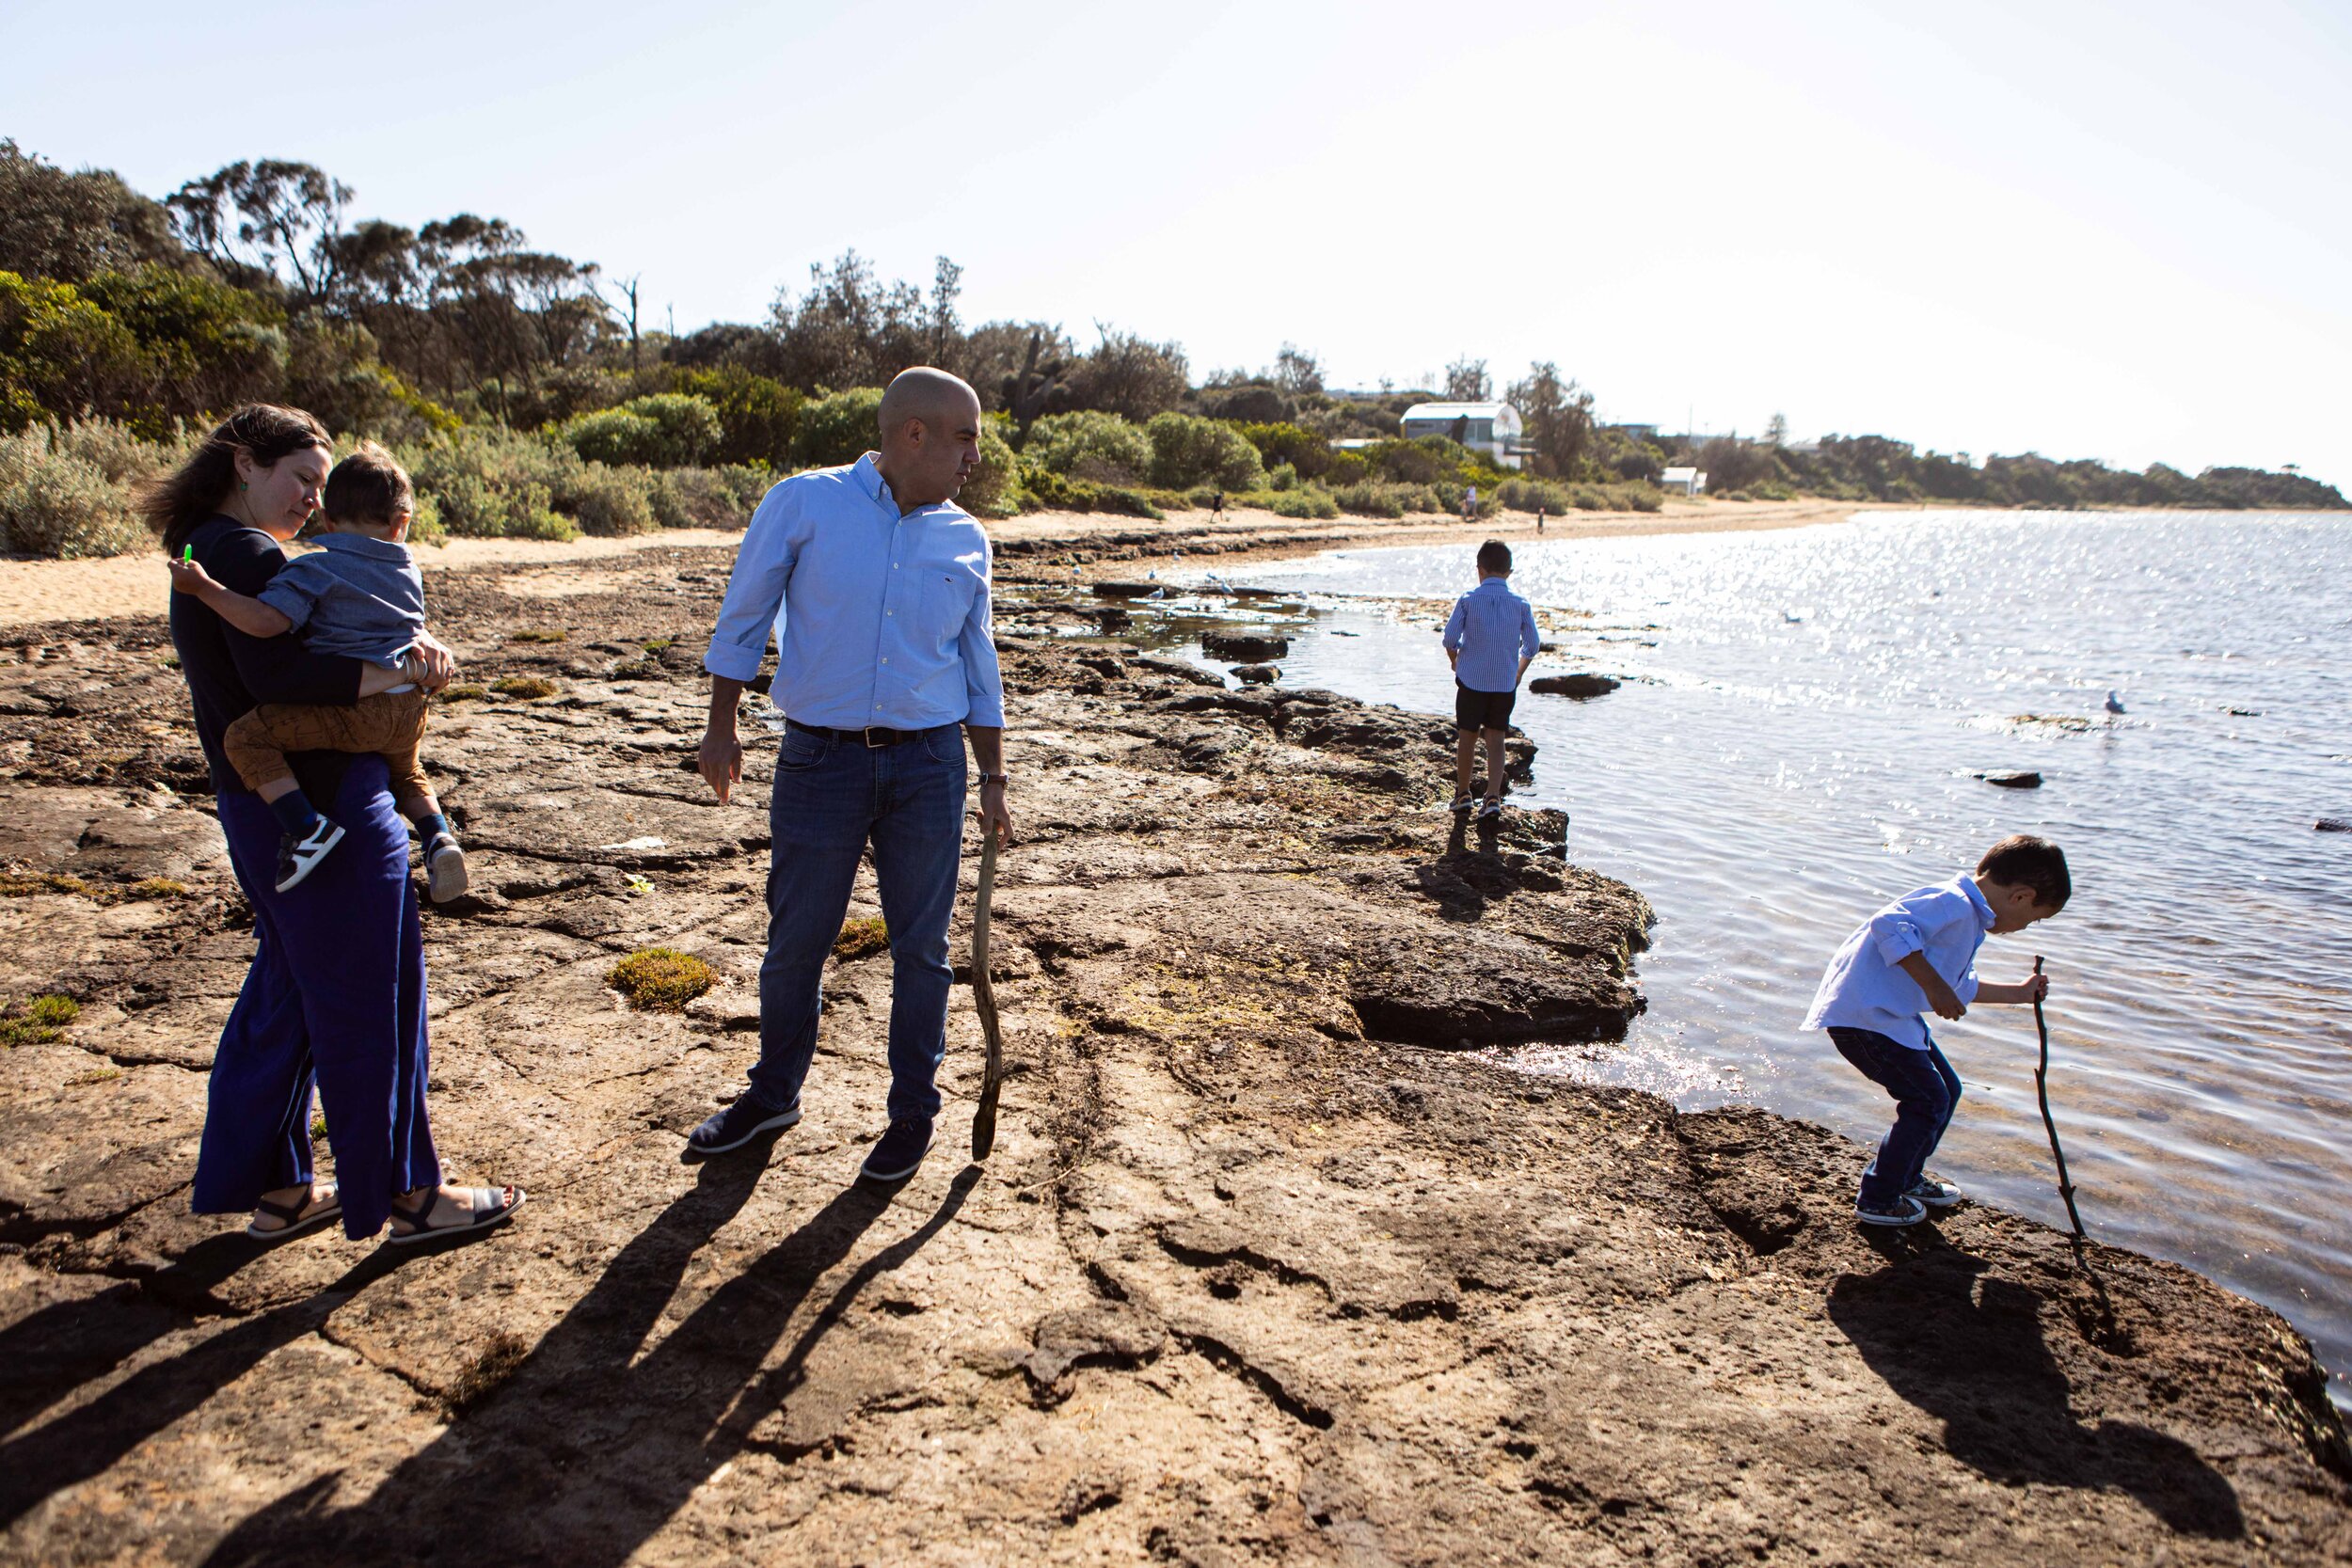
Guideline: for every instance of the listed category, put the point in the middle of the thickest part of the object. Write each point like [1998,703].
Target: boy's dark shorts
[1482,710]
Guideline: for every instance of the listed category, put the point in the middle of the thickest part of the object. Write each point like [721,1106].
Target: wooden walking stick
[2042,1090]
[984,1002]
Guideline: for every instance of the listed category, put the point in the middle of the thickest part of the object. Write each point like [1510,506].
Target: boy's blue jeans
[1926,1091]
[831,798]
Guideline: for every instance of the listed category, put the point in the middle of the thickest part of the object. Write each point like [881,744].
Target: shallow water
[1798,744]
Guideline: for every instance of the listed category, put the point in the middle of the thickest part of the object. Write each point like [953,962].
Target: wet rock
[2016,779]
[1257,674]
[2333,825]
[1242,647]
[1582,685]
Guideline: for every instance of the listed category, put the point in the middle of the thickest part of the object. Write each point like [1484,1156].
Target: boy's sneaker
[1935,1195]
[738,1124]
[444,868]
[900,1154]
[298,857]
[1490,807]
[1461,803]
[1905,1209]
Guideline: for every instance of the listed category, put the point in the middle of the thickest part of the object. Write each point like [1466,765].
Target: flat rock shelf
[1264,1267]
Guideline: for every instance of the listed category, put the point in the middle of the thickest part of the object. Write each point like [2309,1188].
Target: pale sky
[2121,231]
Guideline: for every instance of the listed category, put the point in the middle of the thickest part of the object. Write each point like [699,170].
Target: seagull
[2114,703]
[1792,620]
[1216,581]
[1151,576]
[1157,594]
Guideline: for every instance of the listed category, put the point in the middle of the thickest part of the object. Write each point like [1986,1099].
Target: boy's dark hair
[2021,860]
[368,487]
[1494,556]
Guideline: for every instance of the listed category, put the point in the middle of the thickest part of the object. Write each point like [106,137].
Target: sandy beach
[32,592]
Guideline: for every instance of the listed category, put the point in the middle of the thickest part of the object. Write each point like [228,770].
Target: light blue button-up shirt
[1492,629]
[1864,987]
[879,619]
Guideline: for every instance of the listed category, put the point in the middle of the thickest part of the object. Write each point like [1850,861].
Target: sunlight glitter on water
[1798,742]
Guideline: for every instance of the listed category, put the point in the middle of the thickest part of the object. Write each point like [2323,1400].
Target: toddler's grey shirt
[359,596]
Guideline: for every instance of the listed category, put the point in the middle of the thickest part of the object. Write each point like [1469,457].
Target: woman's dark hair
[176,503]
[2021,860]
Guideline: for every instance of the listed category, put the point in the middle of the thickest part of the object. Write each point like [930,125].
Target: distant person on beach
[1217,506]
[360,596]
[1470,504]
[1916,955]
[885,666]
[334,1002]
[1539,522]
[1490,639]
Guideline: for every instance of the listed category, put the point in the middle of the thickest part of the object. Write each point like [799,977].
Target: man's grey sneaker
[298,857]
[1935,1195]
[1489,807]
[738,1124]
[1903,1210]
[444,868]
[900,1154]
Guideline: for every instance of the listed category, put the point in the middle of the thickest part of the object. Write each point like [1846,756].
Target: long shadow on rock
[49,1354]
[588,1448]
[1969,1351]
[87,1441]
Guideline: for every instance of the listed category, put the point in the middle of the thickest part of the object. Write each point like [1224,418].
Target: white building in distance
[1493,428]
[1688,481]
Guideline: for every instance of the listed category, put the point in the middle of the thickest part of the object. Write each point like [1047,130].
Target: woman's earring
[242,487]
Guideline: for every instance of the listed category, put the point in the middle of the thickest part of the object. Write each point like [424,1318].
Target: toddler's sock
[431,825]
[294,812]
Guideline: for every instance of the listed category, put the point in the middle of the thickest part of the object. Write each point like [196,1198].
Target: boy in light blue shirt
[1490,639]
[1917,952]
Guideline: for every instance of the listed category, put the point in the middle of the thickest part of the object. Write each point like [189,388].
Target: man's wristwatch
[995,778]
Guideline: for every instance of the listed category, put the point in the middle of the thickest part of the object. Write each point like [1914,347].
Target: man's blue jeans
[1926,1091]
[831,798]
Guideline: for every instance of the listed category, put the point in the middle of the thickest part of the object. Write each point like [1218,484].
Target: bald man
[877,586]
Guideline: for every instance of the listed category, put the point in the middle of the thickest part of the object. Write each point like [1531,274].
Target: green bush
[1379,499]
[995,489]
[1305,500]
[58,497]
[607,501]
[669,430]
[1091,444]
[493,483]
[1347,468]
[1053,492]
[838,429]
[1187,449]
[758,414]
[1526,495]
[705,497]
[1303,450]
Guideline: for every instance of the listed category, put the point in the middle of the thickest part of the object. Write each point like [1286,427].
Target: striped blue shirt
[879,619]
[1492,629]
[1866,987]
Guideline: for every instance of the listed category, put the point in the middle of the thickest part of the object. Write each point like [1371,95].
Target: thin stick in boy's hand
[2041,1092]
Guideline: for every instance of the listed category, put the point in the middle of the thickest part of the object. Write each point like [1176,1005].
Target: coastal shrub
[758,414]
[1347,468]
[668,430]
[1283,442]
[994,488]
[1526,495]
[1306,500]
[56,498]
[660,980]
[1187,449]
[40,1020]
[1379,499]
[471,507]
[1091,444]
[607,501]
[1614,498]
[838,429]
[1053,492]
[495,484]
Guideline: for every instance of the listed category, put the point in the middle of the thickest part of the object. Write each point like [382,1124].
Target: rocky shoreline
[1264,1267]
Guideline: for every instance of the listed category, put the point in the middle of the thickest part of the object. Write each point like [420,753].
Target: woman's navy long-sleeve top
[229,674]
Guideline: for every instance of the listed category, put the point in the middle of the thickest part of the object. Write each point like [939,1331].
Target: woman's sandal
[486,1211]
[298,1219]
